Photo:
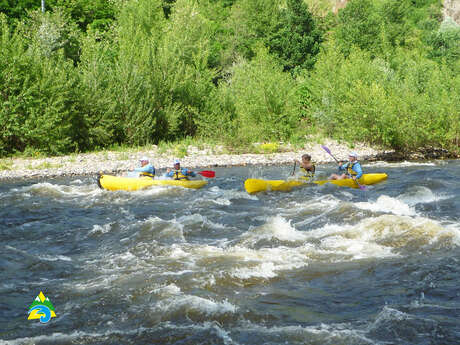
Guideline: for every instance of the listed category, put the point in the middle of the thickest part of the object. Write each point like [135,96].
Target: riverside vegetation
[89,75]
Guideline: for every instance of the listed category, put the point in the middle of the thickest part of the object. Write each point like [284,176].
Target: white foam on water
[383,236]
[222,201]
[404,164]
[177,252]
[51,338]
[94,284]
[339,243]
[340,333]
[54,257]
[325,202]
[194,218]
[160,229]
[388,314]
[421,195]
[449,234]
[264,270]
[176,273]
[216,327]
[189,303]
[275,228]
[245,263]
[101,229]
[387,204]
[154,191]
[46,188]
[197,218]
[229,193]
[76,337]
[60,191]
[372,238]
[167,290]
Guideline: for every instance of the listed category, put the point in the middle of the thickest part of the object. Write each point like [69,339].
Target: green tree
[407,106]
[359,25]
[53,32]
[395,26]
[96,14]
[17,9]
[250,23]
[444,45]
[38,103]
[296,38]
[258,102]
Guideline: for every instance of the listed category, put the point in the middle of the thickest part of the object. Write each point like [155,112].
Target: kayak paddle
[293,170]
[207,173]
[362,187]
[329,151]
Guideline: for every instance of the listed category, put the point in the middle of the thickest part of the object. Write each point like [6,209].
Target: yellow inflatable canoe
[111,182]
[365,180]
[253,185]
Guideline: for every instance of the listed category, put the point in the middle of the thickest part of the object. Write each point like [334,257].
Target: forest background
[92,74]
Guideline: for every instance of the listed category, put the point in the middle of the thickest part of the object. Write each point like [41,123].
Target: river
[318,265]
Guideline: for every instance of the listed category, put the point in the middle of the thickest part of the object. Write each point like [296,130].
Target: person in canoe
[146,169]
[306,166]
[351,169]
[178,173]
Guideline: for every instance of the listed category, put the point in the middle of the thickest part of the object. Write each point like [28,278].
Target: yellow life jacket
[146,174]
[178,175]
[308,174]
[350,171]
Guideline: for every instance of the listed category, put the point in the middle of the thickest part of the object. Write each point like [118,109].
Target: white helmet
[353,154]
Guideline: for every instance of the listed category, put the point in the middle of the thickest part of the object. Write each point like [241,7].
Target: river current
[168,265]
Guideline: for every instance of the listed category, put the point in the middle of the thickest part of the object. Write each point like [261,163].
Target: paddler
[306,166]
[178,173]
[146,169]
[351,169]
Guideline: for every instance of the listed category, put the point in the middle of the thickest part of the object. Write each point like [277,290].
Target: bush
[296,38]
[39,102]
[257,103]
[406,107]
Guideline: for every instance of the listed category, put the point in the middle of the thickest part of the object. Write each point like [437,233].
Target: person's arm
[169,173]
[187,172]
[343,166]
[359,171]
[143,169]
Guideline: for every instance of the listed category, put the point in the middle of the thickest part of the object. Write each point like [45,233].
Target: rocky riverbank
[114,162]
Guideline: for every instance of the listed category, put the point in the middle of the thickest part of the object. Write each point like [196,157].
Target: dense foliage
[88,74]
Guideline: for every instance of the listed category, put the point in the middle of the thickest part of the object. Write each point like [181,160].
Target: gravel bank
[114,162]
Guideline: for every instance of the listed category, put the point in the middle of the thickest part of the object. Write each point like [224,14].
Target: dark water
[319,265]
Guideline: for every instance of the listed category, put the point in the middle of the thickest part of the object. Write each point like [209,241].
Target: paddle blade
[325,148]
[207,173]
[362,187]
